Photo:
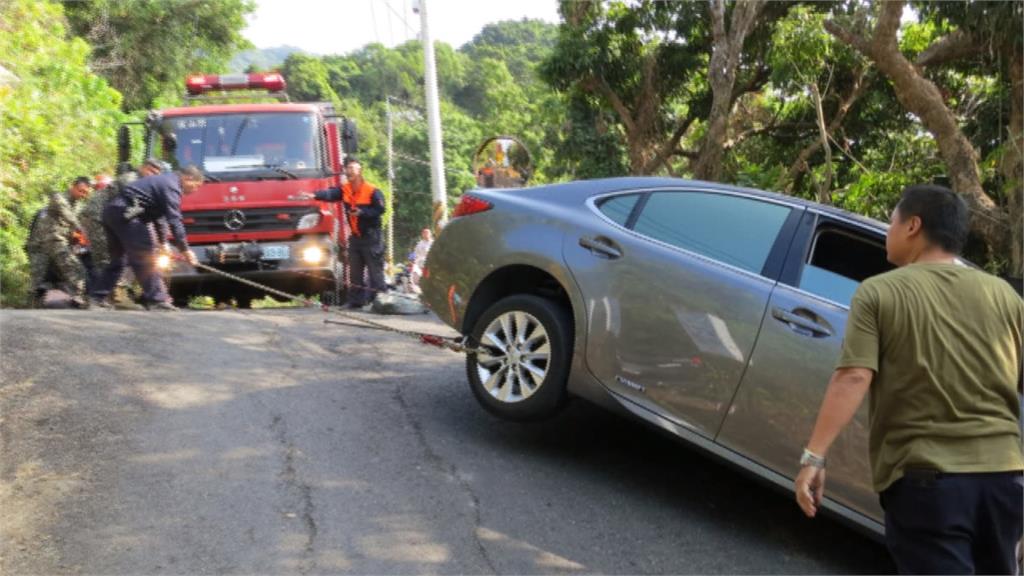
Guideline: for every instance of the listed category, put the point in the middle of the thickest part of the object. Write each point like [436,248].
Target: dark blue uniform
[129,220]
[365,245]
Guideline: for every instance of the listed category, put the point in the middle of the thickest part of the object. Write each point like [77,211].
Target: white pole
[390,207]
[437,182]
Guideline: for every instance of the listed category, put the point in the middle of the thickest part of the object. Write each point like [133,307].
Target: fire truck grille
[244,220]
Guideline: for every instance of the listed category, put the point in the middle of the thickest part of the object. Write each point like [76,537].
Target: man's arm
[843,397]
[328,195]
[163,231]
[172,220]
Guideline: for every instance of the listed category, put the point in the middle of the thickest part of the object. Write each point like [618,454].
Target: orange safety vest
[361,197]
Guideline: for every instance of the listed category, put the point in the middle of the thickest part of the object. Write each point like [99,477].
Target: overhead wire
[373,18]
[408,27]
[391,23]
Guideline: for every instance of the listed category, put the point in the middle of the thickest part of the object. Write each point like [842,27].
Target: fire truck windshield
[246,145]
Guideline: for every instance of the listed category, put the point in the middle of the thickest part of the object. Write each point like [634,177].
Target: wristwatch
[809,458]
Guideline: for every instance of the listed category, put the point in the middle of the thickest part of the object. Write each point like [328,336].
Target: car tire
[529,342]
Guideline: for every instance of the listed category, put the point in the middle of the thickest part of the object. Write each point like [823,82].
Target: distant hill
[262,58]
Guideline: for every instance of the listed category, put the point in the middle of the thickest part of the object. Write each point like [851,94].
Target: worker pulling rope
[453,344]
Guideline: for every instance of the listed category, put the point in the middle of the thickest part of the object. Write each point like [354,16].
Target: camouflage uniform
[91,217]
[49,243]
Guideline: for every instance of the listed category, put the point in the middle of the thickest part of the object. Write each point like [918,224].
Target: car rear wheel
[526,346]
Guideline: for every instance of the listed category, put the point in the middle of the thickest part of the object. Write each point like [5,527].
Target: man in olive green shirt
[938,344]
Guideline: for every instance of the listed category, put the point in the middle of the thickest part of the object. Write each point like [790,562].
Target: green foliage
[270,302]
[145,48]
[308,79]
[801,49]
[201,303]
[57,121]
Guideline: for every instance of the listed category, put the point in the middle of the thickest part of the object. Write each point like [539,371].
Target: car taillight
[470,204]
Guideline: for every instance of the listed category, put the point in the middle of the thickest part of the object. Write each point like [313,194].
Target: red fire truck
[256,158]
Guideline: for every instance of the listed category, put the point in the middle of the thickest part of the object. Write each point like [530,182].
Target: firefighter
[54,237]
[363,204]
[128,220]
[91,215]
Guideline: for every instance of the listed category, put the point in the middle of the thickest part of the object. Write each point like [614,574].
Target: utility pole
[390,199]
[437,182]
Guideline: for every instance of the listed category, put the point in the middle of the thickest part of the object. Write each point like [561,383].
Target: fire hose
[453,344]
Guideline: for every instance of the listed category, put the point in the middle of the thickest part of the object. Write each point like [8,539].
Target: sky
[342,26]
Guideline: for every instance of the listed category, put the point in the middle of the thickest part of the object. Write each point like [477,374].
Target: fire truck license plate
[275,252]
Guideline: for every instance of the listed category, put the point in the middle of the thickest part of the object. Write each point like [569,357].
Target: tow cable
[453,344]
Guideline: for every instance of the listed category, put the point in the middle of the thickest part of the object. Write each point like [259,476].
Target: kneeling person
[50,244]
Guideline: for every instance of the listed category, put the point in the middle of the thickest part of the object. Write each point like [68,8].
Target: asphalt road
[268,442]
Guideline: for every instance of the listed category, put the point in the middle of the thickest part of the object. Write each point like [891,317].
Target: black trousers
[132,242]
[365,259]
[939,523]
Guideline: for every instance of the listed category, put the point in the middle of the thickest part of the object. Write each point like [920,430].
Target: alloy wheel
[515,356]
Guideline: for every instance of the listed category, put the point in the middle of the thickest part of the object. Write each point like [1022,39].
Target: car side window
[618,208]
[839,260]
[735,230]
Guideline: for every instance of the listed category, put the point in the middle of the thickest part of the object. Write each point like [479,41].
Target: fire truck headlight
[309,221]
[163,262]
[312,255]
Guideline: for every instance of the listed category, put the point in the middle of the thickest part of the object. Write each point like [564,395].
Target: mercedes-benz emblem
[234,220]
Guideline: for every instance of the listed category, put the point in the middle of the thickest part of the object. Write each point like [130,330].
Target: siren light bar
[197,84]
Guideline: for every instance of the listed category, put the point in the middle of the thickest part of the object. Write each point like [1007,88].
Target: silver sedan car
[713,312]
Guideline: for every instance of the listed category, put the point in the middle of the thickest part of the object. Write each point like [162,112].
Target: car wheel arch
[515,279]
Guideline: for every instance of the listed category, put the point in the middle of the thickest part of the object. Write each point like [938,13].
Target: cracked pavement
[268,442]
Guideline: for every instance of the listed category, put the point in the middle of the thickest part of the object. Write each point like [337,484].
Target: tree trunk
[725,57]
[640,119]
[922,98]
[1012,166]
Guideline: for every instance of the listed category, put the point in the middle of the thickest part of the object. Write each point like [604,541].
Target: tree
[649,63]
[145,48]
[519,44]
[308,78]
[633,61]
[726,48]
[57,120]
[922,97]
[804,58]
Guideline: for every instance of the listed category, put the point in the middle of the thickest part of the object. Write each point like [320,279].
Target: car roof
[587,188]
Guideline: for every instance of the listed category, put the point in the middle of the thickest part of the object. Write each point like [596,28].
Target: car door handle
[800,323]
[601,246]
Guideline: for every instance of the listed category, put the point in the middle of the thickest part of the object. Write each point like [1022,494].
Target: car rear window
[618,208]
[735,230]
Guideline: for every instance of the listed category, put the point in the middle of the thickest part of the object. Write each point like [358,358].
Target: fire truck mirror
[169,143]
[124,144]
[349,136]
[502,162]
